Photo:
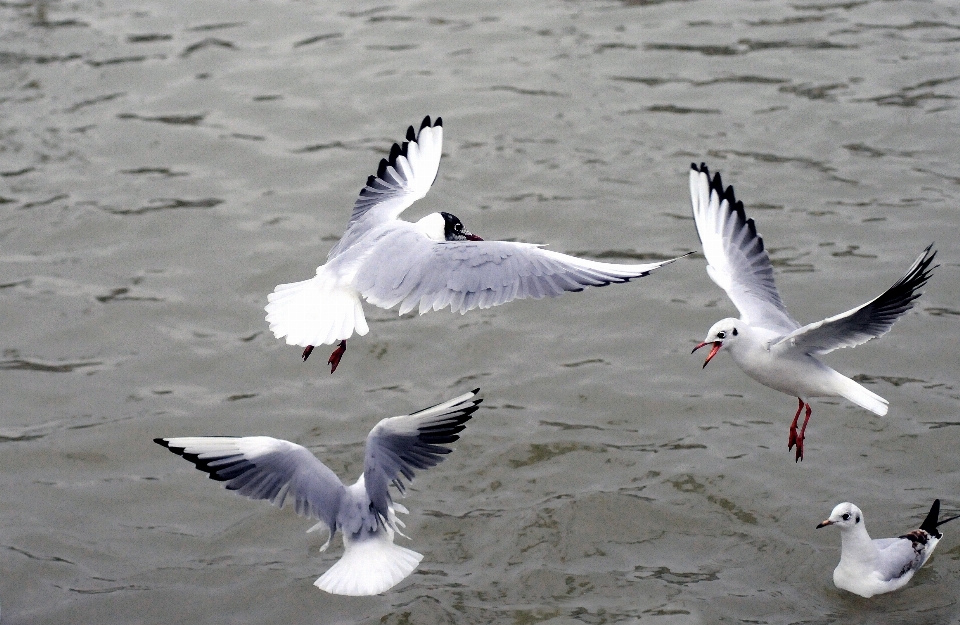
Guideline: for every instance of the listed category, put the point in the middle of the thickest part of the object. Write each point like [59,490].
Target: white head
[445,227]
[432,226]
[723,332]
[845,516]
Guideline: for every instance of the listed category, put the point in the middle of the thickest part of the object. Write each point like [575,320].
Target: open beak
[713,351]
[471,236]
[825,523]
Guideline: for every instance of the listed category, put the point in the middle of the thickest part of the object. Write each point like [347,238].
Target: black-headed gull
[870,567]
[260,467]
[766,342]
[430,264]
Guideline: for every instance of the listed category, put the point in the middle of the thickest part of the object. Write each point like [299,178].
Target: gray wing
[869,321]
[398,445]
[411,270]
[897,557]
[736,259]
[403,177]
[260,467]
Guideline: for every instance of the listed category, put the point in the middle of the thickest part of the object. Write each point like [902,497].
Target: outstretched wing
[398,445]
[869,321]
[409,269]
[403,177]
[736,258]
[260,467]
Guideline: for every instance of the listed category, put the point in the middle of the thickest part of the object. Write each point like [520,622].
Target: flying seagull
[429,264]
[261,467]
[766,342]
[871,567]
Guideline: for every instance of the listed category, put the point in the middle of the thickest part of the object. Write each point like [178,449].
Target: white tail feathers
[849,389]
[311,313]
[369,566]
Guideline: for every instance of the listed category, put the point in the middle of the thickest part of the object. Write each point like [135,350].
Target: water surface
[164,165]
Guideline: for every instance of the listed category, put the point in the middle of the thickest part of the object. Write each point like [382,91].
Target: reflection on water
[163,166]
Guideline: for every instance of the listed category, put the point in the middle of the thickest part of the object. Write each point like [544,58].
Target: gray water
[164,164]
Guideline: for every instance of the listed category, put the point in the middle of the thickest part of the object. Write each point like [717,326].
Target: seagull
[429,264]
[871,567]
[261,467]
[766,342]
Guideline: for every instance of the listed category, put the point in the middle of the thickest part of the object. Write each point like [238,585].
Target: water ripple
[210,42]
[92,101]
[15,58]
[316,39]
[166,204]
[24,364]
[541,452]
[120,60]
[533,92]
[745,46]
[175,120]
[664,574]
[33,556]
[148,38]
[689,484]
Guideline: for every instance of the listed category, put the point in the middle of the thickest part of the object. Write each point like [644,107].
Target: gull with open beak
[766,342]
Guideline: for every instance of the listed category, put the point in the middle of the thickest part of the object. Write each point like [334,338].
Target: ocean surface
[163,165]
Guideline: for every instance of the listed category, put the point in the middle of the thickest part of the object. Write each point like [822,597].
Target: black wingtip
[899,297]
[931,517]
[736,206]
[162,442]
[928,255]
[476,390]
[411,135]
[438,123]
[426,122]
[717,184]
[929,524]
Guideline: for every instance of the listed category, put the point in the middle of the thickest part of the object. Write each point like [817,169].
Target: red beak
[825,523]
[471,236]
[713,351]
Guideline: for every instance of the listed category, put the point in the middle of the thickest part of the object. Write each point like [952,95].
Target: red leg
[306,352]
[337,354]
[793,426]
[803,429]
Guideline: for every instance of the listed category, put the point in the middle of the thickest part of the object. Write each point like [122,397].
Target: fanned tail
[369,566]
[859,395]
[312,313]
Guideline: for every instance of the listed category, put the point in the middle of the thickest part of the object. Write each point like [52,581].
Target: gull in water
[766,342]
[260,467]
[429,264]
[870,567]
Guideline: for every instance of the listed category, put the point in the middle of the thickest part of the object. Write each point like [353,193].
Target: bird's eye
[734,331]
[845,517]
[721,334]
[458,227]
